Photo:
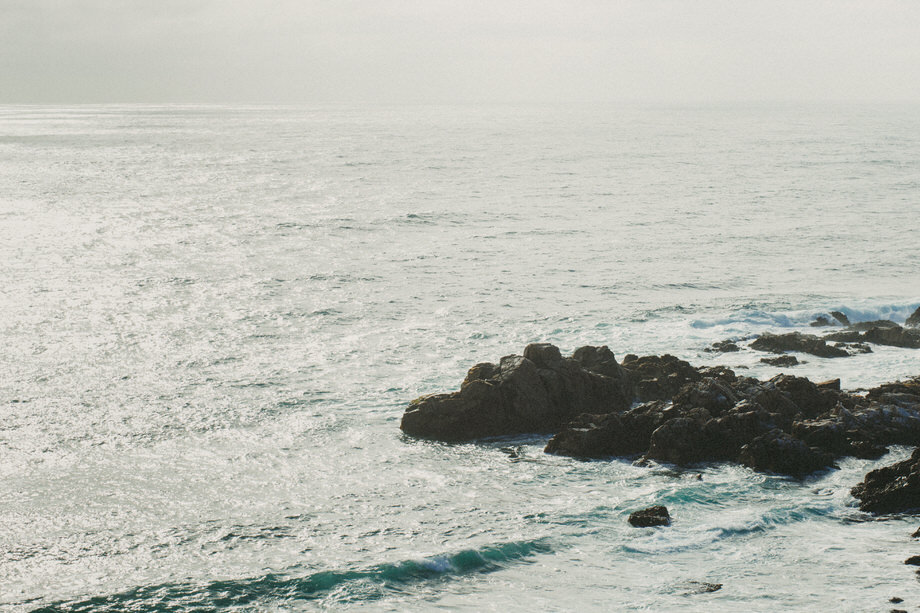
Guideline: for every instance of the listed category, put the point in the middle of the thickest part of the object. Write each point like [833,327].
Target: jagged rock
[830,384]
[598,436]
[659,377]
[854,348]
[782,361]
[881,332]
[914,320]
[796,341]
[895,336]
[913,561]
[897,392]
[811,399]
[652,516]
[713,394]
[891,489]
[722,373]
[723,347]
[820,321]
[537,392]
[779,452]
[681,440]
[840,317]
[889,334]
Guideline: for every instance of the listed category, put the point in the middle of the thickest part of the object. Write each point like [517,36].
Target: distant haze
[330,51]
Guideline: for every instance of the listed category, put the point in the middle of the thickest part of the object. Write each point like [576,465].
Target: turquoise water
[213,318]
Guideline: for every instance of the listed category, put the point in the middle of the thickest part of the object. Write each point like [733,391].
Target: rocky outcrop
[663,409]
[659,377]
[796,341]
[536,392]
[650,517]
[879,333]
[892,489]
[786,425]
[726,346]
[782,361]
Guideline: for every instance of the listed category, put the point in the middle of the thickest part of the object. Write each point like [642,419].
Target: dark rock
[811,399]
[891,489]
[830,384]
[899,392]
[682,440]
[916,534]
[723,373]
[537,392]
[878,323]
[659,377]
[819,321]
[782,361]
[713,394]
[914,320]
[796,341]
[879,333]
[652,516]
[598,436]
[913,561]
[840,317]
[723,347]
[895,336]
[896,600]
[779,452]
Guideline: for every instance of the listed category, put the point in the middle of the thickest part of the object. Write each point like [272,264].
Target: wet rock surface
[786,425]
[892,489]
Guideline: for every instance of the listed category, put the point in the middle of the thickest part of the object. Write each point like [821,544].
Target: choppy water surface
[213,317]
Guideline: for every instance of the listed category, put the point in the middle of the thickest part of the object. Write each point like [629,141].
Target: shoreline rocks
[537,392]
[660,408]
[891,489]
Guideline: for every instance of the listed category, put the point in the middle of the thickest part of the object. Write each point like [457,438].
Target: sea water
[213,317]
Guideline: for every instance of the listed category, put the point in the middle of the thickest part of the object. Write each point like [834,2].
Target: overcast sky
[395,51]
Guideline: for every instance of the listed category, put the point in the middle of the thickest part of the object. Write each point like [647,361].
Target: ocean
[213,318]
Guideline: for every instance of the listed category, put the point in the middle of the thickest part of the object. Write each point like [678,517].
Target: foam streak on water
[212,318]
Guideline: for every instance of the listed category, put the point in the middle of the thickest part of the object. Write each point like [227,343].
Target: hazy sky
[319,51]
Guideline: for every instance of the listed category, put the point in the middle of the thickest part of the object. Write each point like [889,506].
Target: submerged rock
[891,489]
[652,516]
[537,392]
[796,341]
